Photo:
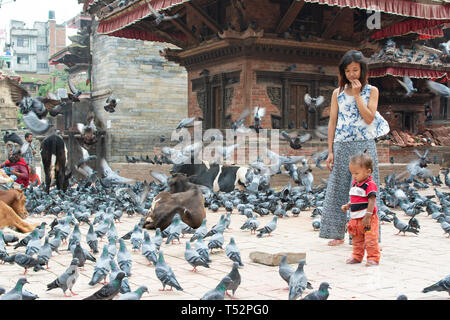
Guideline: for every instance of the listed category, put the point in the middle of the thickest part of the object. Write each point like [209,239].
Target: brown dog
[15,199]
[9,218]
[187,201]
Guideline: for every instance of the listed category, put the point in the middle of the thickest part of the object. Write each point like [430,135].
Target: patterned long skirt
[339,184]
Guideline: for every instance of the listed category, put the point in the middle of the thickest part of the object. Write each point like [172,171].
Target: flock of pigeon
[100,204]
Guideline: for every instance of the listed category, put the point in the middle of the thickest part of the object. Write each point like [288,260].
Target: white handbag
[378,127]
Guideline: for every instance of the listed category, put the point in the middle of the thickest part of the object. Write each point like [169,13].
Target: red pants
[362,240]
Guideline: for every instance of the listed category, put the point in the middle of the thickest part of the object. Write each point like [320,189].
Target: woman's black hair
[349,57]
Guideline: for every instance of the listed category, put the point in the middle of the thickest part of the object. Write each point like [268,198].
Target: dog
[15,199]
[9,218]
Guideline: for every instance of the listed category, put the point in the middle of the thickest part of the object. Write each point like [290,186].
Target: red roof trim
[131,33]
[420,26]
[410,72]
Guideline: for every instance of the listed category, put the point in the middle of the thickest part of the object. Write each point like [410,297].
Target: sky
[30,11]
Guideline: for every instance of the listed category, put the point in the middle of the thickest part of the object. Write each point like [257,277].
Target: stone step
[274,258]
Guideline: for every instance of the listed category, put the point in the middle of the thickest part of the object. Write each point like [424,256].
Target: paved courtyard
[408,263]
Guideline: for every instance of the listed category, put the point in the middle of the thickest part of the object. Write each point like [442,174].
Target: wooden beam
[183,28]
[289,16]
[328,32]
[213,25]
[147,26]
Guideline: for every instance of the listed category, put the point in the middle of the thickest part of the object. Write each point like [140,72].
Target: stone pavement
[408,263]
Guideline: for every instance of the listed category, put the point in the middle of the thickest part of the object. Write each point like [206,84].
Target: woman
[17,167]
[354,124]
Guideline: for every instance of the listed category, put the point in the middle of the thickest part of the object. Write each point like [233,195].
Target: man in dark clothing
[17,166]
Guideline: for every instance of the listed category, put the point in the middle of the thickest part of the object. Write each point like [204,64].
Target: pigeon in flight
[439,88]
[313,103]
[295,141]
[408,85]
[185,123]
[258,115]
[160,17]
[75,93]
[111,104]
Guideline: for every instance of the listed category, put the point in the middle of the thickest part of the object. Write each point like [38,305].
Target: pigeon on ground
[125,286]
[216,241]
[193,258]
[402,297]
[235,278]
[219,227]
[135,295]
[202,249]
[218,293]
[45,253]
[91,239]
[102,267]
[200,231]
[25,261]
[174,230]
[157,239]
[149,249]
[232,251]
[441,285]
[15,293]
[403,227]
[108,291]
[67,279]
[34,244]
[165,274]
[268,228]
[297,282]
[444,225]
[321,294]
[285,270]
[124,258]
[55,242]
[136,238]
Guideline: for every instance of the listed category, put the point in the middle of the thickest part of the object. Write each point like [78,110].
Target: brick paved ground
[408,263]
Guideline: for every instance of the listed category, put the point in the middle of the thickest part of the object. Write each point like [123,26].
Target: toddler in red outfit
[363,224]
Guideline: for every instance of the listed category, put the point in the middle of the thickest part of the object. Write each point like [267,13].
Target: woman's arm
[368,111]
[334,109]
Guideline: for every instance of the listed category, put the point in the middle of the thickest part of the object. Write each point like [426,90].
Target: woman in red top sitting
[18,167]
[34,178]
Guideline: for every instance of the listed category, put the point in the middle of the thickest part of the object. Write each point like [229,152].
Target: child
[363,224]
[34,176]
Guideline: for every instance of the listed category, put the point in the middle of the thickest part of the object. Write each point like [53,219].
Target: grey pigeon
[82,254]
[439,88]
[25,261]
[149,249]
[402,297]
[135,295]
[202,249]
[34,244]
[232,251]
[112,247]
[55,242]
[157,239]
[218,293]
[321,294]
[174,230]
[125,286]
[298,282]
[91,239]
[67,279]
[403,227]
[407,84]
[108,291]
[201,231]
[444,225]
[102,267]
[235,278]
[268,228]
[124,258]
[185,123]
[220,226]
[10,238]
[216,241]
[15,293]
[441,285]
[285,270]
[193,258]
[27,295]
[136,238]
[165,274]
[45,252]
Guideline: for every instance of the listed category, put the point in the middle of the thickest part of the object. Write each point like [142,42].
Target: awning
[400,7]
[130,33]
[131,15]
[429,28]
[410,72]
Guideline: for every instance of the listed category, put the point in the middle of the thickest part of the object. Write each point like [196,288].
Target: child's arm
[369,212]
[345,207]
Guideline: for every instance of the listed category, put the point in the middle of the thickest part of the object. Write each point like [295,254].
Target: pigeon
[441,285]
[67,279]
[240,121]
[439,89]
[295,142]
[291,67]
[75,93]
[55,242]
[268,228]
[402,297]
[108,291]
[316,223]
[408,85]
[185,123]
[232,251]
[235,278]
[102,267]
[149,249]
[174,230]
[218,293]
[81,254]
[193,258]
[135,295]
[200,231]
[15,293]
[160,17]
[202,249]
[321,294]
[216,241]
[157,239]
[45,252]
[313,103]
[219,227]
[34,244]
[25,261]
[258,115]
[165,274]
[124,258]
[444,225]
[125,286]
[297,282]
[91,239]
[285,270]
[111,104]
[27,295]
[111,177]
[403,227]
[112,248]
[85,157]
[136,238]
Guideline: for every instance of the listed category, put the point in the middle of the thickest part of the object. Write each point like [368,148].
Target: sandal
[352,261]
[371,263]
[335,242]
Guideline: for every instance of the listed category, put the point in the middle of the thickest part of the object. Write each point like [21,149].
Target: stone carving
[201,99]
[274,94]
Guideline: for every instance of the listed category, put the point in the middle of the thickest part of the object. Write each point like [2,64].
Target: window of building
[41,47]
[22,60]
[42,65]
[23,42]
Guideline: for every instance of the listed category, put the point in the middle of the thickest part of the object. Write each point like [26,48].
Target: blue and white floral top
[350,124]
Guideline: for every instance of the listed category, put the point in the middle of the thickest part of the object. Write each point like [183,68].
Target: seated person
[17,168]
[34,176]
